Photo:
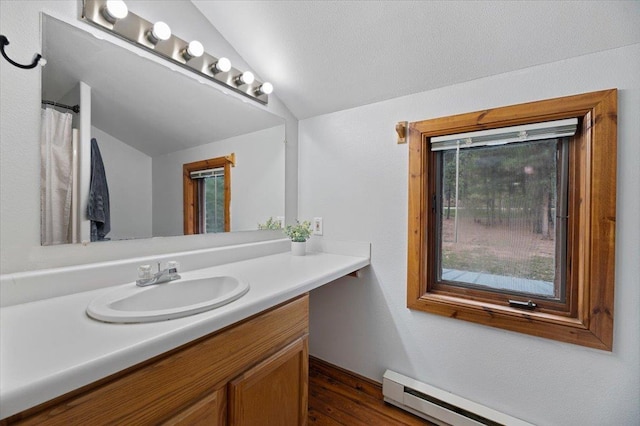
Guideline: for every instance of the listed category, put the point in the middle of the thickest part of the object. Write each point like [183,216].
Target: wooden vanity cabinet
[274,392]
[251,373]
[211,410]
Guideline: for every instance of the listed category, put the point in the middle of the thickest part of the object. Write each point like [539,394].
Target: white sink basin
[159,302]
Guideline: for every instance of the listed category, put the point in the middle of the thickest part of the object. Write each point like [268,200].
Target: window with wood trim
[517,231]
[207,195]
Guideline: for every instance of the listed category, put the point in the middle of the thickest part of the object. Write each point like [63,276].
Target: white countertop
[50,347]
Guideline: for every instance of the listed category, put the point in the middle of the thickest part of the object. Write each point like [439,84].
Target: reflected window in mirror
[207,195]
[212,190]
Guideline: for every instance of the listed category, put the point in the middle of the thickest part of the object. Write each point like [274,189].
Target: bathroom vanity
[58,365]
[255,371]
[242,363]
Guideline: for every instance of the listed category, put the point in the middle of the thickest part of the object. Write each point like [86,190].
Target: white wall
[72,97]
[20,132]
[257,180]
[129,179]
[354,175]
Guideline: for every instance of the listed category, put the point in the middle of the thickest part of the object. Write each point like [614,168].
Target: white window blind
[201,174]
[505,135]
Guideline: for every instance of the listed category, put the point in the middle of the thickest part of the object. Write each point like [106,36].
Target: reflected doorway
[207,195]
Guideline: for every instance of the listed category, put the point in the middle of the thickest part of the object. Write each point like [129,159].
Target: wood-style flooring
[339,397]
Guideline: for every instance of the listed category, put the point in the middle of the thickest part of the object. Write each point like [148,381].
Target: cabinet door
[274,392]
[210,411]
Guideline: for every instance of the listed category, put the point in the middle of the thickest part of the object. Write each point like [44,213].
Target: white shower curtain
[55,177]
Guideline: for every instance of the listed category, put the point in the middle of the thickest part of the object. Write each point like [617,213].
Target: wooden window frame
[591,228]
[191,202]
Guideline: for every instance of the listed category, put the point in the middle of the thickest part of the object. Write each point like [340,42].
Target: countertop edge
[20,398]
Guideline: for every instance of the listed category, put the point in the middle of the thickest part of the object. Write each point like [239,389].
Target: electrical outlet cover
[317,226]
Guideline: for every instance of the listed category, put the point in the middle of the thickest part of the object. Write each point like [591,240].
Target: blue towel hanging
[98,205]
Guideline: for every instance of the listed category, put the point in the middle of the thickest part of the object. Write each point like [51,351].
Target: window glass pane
[214,204]
[498,221]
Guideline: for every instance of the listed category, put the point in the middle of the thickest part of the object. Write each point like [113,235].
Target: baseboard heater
[439,406]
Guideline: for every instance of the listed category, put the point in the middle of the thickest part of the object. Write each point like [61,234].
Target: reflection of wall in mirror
[129,178]
[257,180]
[72,97]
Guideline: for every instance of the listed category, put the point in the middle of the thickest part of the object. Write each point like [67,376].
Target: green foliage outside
[507,198]
[479,260]
[214,204]
[498,184]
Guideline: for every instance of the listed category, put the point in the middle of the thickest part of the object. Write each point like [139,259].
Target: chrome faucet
[170,273]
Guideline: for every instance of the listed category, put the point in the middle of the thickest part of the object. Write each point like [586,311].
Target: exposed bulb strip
[114,16]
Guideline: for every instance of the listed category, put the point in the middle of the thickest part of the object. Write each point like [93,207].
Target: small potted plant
[299,234]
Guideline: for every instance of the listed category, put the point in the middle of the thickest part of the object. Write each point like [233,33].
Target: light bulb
[195,49]
[222,65]
[245,78]
[159,31]
[265,88]
[114,10]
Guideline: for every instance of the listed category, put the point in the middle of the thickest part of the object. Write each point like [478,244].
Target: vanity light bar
[189,55]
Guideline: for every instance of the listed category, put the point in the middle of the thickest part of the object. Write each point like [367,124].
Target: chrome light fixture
[221,65]
[246,77]
[194,49]
[114,10]
[265,89]
[159,32]
[113,16]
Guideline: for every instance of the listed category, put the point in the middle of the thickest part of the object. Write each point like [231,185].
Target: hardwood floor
[339,397]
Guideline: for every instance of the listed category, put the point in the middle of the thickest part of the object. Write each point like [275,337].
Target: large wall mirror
[149,120]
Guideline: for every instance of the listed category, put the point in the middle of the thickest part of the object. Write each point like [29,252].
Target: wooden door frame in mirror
[191,202]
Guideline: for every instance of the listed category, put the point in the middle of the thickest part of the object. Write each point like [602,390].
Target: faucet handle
[144,272]
[172,268]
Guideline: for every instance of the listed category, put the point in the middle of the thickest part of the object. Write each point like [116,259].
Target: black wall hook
[4,42]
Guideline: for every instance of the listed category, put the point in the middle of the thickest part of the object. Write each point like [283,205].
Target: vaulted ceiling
[326,56]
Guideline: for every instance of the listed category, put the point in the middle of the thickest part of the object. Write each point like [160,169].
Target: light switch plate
[317,226]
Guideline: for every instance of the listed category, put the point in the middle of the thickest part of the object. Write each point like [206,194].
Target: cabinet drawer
[208,411]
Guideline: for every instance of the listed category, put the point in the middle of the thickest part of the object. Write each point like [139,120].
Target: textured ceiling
[325,56]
